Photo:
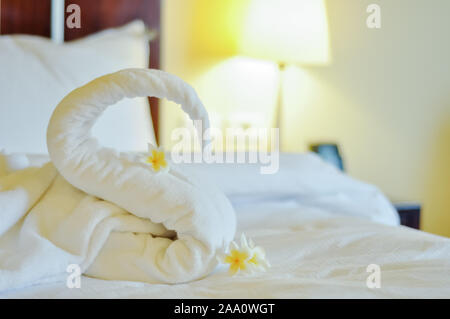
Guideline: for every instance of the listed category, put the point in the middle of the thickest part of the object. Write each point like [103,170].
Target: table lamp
[288,32]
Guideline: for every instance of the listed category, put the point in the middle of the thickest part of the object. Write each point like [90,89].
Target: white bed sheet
[314,254]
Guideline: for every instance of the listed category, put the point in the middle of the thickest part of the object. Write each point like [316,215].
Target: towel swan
[130,223]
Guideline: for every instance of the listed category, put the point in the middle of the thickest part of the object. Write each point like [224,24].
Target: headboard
[34,17]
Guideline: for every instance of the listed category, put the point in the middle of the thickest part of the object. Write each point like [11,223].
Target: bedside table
[409,214]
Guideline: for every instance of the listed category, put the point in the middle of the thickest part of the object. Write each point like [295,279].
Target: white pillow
[37,73]
[303,177]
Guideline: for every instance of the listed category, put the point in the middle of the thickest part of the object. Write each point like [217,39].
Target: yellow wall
[385,96]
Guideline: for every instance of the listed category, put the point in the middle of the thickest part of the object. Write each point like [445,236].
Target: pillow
[37,73]
[305,178]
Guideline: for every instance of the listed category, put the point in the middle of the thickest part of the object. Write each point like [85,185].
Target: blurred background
[381,94]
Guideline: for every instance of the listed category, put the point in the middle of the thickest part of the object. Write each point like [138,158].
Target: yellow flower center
[253,260]
[157,159]
[236,259]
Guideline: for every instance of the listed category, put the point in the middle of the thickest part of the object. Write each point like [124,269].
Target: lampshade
[289,31]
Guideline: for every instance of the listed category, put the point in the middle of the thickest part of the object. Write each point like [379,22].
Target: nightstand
[409,214]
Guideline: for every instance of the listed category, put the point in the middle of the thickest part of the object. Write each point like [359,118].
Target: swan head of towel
[201,216]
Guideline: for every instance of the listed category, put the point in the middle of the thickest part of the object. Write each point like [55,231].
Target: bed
[319,245]
[325,234]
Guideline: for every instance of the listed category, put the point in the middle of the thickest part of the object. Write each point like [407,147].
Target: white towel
[106,211]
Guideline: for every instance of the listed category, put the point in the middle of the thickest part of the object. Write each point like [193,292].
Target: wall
[385,97]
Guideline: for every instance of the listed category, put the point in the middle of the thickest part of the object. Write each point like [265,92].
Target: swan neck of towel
[70,126]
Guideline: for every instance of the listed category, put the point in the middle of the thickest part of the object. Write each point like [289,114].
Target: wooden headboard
[34,17]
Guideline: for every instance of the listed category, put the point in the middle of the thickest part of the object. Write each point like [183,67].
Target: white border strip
[57,21]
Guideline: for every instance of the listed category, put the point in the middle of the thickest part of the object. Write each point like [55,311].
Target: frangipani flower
[246,259]
[257,254]
[157,158]
[237,259]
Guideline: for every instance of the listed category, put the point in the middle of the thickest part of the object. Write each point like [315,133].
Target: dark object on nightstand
[409,214]
[329,152]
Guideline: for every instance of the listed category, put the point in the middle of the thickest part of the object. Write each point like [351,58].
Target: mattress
[313,255]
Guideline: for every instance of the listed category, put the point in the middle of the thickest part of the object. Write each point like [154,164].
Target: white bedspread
[313,254]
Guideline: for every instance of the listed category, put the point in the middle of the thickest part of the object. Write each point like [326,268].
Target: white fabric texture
[37,73]
[305,177]
[107,211]
[314,252]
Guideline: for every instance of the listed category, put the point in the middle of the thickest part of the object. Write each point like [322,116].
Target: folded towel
[106,211]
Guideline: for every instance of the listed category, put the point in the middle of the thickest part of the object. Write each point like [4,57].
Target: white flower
[245,260]
[257,260]
[157,158]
